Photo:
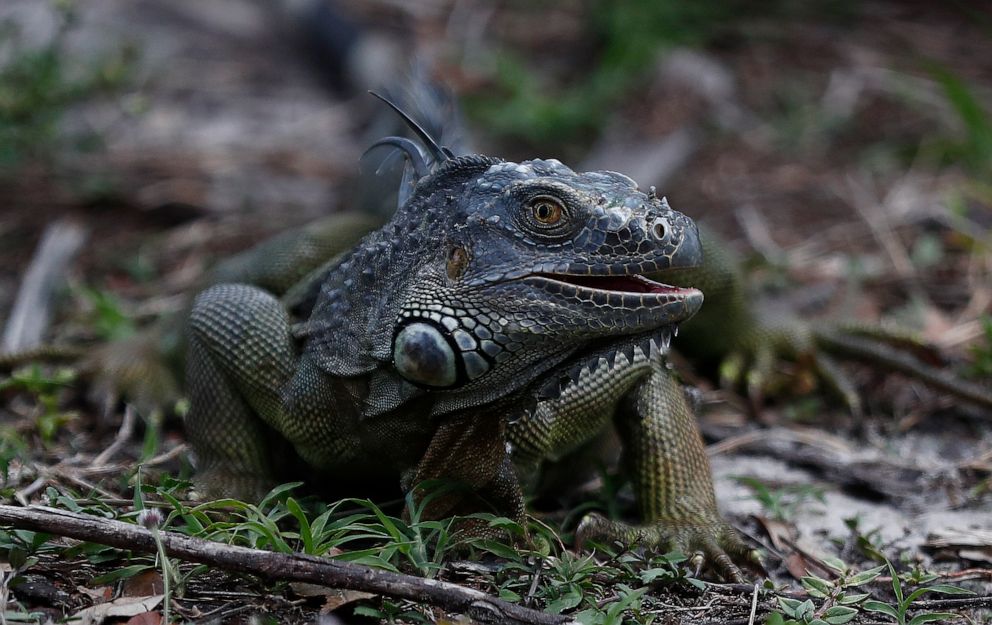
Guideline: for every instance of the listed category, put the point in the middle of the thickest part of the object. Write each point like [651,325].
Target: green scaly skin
[142,368]
[269,397]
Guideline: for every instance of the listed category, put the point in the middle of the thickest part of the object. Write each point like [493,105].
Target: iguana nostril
[660,229]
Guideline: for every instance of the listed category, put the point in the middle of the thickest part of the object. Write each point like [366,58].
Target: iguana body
[501,317]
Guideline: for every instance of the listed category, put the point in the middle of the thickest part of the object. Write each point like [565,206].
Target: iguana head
[535,258]
[492,272]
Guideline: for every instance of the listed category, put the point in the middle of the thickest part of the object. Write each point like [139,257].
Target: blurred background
[844,146]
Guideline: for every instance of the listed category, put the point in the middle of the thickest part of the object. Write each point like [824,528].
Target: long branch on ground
[294,567]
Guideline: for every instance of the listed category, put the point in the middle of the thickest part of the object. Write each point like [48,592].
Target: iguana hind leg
[240,356]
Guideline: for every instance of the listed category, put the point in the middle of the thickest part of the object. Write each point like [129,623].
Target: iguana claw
[711,543]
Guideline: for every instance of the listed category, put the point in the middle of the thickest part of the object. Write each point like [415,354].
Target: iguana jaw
[629,284]
[665,303]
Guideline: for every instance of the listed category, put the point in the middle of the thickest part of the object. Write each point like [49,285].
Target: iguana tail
[46,353]
[879,353]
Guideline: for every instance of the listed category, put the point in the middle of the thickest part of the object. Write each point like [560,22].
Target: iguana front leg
[469,453]
[240,356]
[144,368]
[666,461]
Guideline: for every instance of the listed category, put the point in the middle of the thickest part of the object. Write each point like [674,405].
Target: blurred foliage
[973,147]
[38,84]
[108,317]
[628,37]
[46,388]
[981,352]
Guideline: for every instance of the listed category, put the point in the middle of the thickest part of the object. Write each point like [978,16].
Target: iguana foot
[134,369]
[218,483]
[710,543]
[756,362]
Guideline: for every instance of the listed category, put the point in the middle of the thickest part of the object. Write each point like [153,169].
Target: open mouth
[619,284]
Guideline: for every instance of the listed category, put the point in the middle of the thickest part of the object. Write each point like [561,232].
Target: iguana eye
[547,211]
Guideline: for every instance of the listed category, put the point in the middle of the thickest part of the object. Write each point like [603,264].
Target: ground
[844,151]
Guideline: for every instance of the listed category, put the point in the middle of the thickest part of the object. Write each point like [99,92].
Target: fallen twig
[123,436]
[295,567]
[954,603]
[897,360]
[32,309]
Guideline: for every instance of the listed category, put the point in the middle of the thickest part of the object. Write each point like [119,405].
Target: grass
[628,36]
[595,589]
[605,587]
[841,599]
[38,84]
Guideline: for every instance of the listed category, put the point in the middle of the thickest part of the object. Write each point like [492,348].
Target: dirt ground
[845,154]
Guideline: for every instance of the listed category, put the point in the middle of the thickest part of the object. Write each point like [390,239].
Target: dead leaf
[781,534]
[976,555]
[970,544]
[337,598]
[797,565]
[144,584]
[147,618]
[953,537]
[122,607]
[100,594]
[304,589]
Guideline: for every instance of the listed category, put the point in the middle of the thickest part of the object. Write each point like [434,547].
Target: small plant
[613,614]
[151,519]
[981,352]
[781,503]
[46,388]
[839,599]
[904,602]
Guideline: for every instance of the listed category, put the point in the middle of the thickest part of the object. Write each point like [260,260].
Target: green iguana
[501,317]
[547,402]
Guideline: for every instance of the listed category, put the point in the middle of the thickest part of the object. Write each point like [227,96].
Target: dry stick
[123,436]
[754,606]
[32,309]
[295,567]
[897,360]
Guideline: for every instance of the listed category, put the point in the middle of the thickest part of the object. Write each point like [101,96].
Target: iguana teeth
[655,351]
[646,347]
[628,351]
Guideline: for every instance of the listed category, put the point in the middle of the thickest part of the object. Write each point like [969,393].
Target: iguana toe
[133,369]
[711,543]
